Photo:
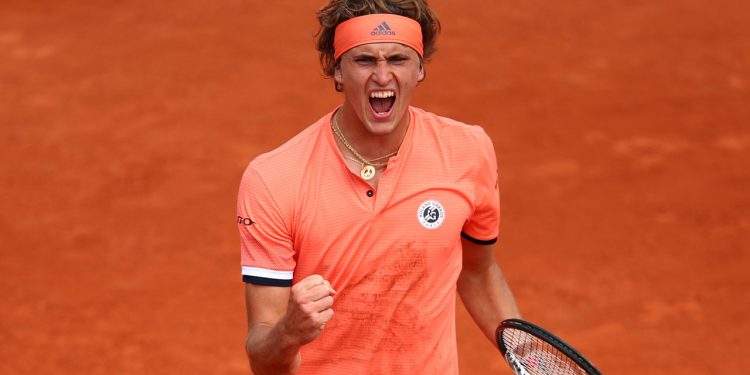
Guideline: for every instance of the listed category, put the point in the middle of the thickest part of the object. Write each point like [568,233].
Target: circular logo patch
[431,214]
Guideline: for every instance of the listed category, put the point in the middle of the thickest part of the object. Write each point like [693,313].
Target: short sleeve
[267,251]
[483,226]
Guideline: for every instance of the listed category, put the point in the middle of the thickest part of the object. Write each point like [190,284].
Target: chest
[417,214]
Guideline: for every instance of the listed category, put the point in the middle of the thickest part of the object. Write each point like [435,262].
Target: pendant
[367,172]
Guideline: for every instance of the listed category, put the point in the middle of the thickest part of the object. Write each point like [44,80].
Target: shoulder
[280,162]
[279,171]
[291,150]
[445,126]
[454,134]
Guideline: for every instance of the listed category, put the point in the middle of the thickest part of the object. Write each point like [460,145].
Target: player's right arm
[281,320]
[281,317]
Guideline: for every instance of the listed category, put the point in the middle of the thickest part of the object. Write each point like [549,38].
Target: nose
[382,72]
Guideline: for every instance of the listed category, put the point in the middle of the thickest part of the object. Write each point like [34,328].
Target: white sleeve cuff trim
[268,274]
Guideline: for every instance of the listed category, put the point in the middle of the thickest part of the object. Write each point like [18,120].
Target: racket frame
[546,336]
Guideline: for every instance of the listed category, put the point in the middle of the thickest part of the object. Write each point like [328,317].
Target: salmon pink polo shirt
[392,254]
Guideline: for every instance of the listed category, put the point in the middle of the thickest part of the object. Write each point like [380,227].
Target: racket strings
[537,356]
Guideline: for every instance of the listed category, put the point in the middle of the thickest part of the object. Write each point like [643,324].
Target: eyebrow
[369,56]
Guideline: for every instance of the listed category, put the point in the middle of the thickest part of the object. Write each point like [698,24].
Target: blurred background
[622,131]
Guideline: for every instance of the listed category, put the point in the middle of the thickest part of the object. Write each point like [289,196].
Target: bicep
[477,258]
[265,304]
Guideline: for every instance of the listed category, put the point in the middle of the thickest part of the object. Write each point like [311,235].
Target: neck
[367,143]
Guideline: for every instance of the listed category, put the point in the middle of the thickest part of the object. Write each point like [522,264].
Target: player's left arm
[484,290]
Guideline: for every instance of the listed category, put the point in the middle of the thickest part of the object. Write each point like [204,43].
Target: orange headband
[377,28]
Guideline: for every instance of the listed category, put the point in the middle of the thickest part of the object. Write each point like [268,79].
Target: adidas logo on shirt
[382,29]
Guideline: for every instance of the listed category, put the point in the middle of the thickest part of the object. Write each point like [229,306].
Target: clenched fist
[309,308]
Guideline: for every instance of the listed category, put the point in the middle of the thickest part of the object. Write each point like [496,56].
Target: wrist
[288,341]
[272,350]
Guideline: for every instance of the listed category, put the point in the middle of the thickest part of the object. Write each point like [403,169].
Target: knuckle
[327,315]
[318,289]
[306,309]
[319,318]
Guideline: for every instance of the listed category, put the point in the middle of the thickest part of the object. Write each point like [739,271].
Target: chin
[384,125]
[382,128]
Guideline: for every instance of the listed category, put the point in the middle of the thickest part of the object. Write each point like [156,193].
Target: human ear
[337,75]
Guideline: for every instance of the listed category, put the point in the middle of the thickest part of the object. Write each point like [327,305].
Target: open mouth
[382,102]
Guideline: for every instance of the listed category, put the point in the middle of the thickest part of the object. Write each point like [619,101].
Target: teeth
[382,94]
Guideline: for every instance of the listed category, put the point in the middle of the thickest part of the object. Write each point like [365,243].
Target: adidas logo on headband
[382,29]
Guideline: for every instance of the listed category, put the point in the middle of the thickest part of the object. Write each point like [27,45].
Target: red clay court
[622,131]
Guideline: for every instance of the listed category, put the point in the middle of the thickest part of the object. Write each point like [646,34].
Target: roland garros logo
[431,214]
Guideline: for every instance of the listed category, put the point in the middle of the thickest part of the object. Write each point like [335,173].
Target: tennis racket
[532,350]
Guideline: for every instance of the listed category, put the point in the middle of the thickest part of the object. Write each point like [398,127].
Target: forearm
[271,351]
[487,297]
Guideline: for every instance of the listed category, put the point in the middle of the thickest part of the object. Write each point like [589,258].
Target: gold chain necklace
[368,166]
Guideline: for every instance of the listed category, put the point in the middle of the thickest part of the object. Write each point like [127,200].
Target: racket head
[532,350]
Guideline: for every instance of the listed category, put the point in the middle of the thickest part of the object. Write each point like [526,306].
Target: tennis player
[357,233]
